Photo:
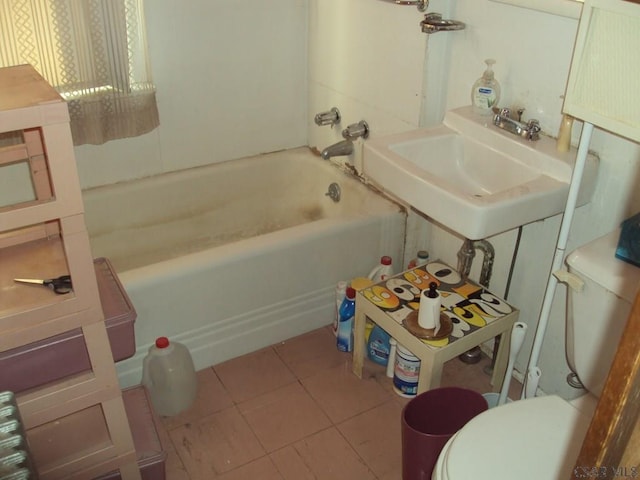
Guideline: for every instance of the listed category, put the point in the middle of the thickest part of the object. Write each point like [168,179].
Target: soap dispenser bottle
[486,91]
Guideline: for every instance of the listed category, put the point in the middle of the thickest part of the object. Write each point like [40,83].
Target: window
[94,52]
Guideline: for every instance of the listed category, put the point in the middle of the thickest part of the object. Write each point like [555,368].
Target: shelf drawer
[57,357]
[142,420]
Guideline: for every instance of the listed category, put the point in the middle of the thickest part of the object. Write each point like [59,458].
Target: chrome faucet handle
[328,118]
[433,23]
[505,112]
[533,129]
[421,4]
[356,130]
[433,16]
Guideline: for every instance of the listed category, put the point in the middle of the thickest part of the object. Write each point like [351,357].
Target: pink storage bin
[143,423]
[57,357]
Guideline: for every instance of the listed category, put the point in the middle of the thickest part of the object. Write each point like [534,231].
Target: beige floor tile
[251,375]
[255,404]
[473,377]
[176,474]
[283,416]
[376,436]
[310,353]
[261,469]
[342,395]
[329,457]
[216,444]
[291,465]
[459,374]
[174,468]
[395,475]
[212,397]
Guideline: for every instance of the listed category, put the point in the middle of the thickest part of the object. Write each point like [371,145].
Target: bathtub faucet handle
[356,130]
[328,118]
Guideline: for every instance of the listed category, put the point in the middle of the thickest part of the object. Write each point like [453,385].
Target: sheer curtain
[94,52]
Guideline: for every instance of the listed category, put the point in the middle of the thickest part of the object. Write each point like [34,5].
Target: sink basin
[473,177]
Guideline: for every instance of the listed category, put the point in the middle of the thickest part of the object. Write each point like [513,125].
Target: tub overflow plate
[334,192]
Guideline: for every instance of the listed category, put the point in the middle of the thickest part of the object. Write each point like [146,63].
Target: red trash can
[428,421]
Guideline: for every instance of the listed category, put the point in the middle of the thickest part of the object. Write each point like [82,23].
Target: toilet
[541,437]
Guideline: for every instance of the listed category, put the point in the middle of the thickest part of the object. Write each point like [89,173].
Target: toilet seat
[527,439]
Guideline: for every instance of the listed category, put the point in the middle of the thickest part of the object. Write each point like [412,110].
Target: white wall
[231,82]
[370,59]
[366,57]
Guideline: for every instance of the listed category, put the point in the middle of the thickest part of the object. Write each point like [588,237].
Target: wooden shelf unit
[45,237]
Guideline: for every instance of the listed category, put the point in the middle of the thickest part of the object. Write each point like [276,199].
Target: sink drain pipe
[488,369]
[466,254]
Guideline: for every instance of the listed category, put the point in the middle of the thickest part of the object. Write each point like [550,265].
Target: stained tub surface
[235,256]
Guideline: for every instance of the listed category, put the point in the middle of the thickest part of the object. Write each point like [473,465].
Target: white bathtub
[232,257]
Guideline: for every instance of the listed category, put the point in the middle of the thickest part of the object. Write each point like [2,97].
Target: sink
[474,178]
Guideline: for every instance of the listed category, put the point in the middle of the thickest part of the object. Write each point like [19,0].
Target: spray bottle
[345,324]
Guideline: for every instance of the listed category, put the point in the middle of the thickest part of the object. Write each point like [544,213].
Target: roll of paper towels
[429,311]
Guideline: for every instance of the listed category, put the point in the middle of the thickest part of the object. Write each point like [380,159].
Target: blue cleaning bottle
[378,346]
[345,324]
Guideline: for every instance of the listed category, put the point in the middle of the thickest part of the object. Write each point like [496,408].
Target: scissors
[60,285]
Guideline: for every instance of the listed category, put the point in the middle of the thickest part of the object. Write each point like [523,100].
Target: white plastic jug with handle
[382,271]
[169,376]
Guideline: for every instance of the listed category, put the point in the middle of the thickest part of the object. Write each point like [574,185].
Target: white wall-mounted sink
[473,177]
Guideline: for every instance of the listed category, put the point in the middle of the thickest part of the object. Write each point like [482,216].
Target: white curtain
[94,52]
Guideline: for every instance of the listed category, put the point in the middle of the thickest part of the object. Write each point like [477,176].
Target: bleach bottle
[345,324]
[169,376]
[382,271]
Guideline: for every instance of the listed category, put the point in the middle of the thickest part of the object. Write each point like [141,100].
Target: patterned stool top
[469,306]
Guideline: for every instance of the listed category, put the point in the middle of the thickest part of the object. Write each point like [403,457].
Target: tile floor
[294,411]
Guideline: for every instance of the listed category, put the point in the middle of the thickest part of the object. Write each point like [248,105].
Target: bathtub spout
[340,149]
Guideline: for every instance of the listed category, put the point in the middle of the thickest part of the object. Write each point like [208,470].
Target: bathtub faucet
[340,149]
[345,147]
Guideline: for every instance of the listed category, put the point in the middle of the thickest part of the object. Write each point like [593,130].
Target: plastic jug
[421,259]
[169,376]
[382,271]
[378,346]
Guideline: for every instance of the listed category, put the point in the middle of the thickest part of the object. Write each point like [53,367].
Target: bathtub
[232,257]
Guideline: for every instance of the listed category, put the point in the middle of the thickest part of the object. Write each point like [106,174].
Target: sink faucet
[530,130]
[345,147]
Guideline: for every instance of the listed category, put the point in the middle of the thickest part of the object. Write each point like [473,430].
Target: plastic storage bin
[143,422]
[57,357]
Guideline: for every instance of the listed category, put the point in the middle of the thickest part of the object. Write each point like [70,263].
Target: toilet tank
[597,313]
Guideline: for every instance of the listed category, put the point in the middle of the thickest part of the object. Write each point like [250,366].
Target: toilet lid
[527,439]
